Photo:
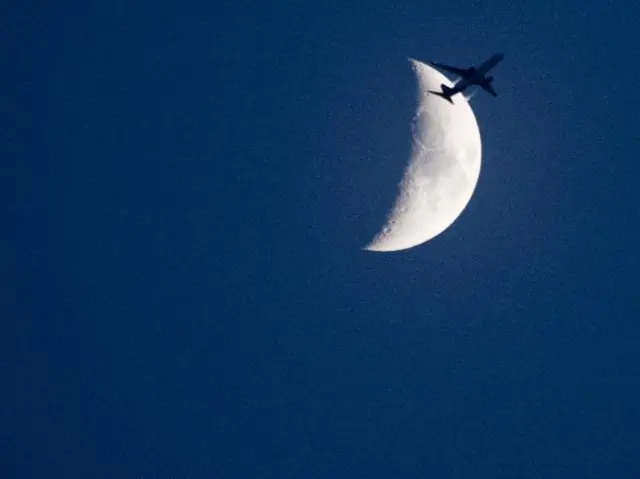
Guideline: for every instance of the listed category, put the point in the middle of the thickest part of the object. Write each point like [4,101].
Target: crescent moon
[442,172]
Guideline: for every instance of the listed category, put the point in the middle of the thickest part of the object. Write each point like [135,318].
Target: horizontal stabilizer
[446,93]
[442,95]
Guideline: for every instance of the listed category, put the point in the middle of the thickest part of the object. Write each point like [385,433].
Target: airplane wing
[461,72]
[488,88]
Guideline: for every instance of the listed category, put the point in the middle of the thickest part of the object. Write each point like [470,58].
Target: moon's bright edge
[442,172]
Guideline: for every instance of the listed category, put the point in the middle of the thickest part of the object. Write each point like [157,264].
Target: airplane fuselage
[476,76]
[490,63]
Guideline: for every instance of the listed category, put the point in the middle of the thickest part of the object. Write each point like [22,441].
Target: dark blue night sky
[185,191]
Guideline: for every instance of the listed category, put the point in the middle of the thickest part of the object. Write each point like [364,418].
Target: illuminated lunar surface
[442,172]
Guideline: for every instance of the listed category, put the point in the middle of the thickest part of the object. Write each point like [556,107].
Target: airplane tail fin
[445,93]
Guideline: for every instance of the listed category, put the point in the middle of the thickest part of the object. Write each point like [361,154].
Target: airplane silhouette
[469,76]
